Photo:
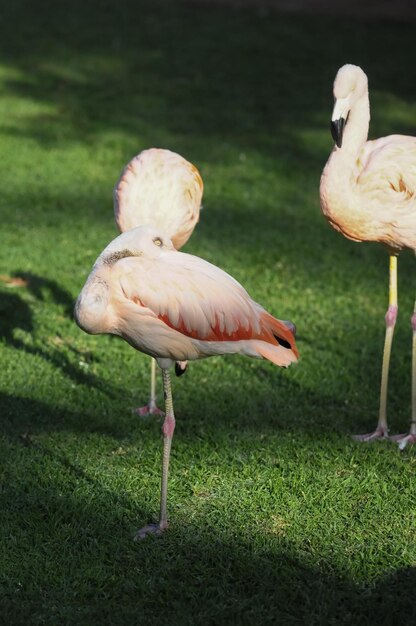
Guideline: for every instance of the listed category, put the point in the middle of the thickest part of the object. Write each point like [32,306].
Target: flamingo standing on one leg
[159,188]
[175,307]
[368,193]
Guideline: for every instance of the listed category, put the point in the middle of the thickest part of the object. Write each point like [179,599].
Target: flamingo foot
[404,439]
[149,409]
[150,529]
[381,432]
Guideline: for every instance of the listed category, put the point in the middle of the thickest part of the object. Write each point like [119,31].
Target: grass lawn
[277,516]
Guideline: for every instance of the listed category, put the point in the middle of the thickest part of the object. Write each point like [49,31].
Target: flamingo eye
[157,241]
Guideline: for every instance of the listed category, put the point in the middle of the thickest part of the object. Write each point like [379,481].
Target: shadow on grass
[204,79]
[253,414]
[59,360]
[24,415]
[74,527]
[81,566]
[37,285]
[16,314]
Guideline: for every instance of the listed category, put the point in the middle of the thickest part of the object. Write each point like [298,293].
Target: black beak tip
[337,130]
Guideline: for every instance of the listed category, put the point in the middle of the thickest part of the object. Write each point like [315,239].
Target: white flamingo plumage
[175,307]
[160,188]
[368,193]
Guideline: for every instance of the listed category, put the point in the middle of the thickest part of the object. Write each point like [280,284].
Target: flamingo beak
[339,119]
[337,130]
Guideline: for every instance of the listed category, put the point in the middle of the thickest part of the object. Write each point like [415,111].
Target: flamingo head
[349,86]
[142,241]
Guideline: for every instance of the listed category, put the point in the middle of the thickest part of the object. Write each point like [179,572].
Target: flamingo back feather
[162,189]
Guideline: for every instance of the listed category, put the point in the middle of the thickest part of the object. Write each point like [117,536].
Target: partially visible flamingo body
[161,189]
[368,193]
[175,307]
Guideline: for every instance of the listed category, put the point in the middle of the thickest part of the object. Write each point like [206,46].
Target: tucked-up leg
[410,437]
[151,408]
[381,431]
[168,430]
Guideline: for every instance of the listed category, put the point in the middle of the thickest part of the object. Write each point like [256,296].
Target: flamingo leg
[151,408]
[381,431]
[167,429]
[410,437]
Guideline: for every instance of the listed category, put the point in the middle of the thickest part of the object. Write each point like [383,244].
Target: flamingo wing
[388,165]
[199,300]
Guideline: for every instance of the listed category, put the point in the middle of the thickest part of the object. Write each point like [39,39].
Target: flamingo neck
[340,198]
[356,129]
[343,161]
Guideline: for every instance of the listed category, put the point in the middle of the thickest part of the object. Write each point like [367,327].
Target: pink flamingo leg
[168,430]
[410,437]
[151,408]
[381,431]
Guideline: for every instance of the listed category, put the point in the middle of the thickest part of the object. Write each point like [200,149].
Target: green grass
[277,517]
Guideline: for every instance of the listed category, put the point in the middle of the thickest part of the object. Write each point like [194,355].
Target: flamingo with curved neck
[175,307]
[368,193]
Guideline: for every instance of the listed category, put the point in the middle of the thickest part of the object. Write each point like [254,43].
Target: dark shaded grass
[276,516]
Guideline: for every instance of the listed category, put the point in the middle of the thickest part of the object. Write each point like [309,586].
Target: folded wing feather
[198,299]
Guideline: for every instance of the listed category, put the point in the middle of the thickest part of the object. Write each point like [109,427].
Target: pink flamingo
[368,193]
[175,307]
[159,188]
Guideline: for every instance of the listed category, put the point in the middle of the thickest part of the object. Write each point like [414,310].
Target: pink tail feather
[276,354]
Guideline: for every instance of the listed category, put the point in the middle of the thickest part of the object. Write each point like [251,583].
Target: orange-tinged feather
[270,331]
